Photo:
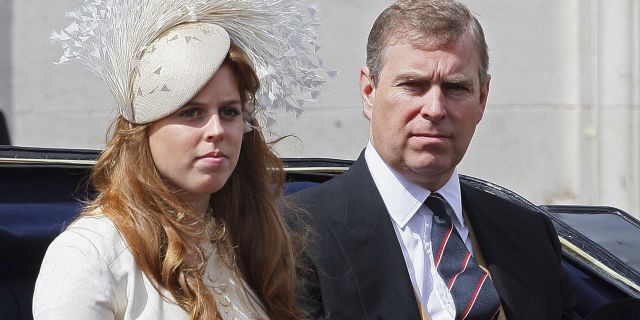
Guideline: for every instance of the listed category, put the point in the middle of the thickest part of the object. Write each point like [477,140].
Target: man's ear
[367,91]
[484,94]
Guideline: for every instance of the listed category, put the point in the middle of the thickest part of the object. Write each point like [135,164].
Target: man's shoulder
[328,199]
[319,198]
[339,186]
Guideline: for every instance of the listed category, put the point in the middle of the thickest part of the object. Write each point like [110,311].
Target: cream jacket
[89,273]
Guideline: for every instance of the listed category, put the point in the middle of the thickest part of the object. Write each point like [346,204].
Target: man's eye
[411,84]
[455,87]
[229,112]
[414,86]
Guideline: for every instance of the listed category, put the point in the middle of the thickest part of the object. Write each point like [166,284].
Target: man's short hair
[426,23]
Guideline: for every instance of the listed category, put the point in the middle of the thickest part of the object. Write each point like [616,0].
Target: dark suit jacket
[355,268]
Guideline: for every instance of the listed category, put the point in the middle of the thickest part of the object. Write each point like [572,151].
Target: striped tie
[473,291]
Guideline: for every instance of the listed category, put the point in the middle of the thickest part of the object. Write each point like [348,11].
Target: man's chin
[429,174]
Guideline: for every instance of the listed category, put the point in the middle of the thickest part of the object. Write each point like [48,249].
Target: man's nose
[214,129]
[434,104]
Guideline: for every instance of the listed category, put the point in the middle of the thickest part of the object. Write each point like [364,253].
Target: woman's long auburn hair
[163,234]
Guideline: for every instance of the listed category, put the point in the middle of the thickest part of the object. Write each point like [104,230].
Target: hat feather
[108,37]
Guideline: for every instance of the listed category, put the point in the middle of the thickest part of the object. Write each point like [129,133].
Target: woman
[184,224]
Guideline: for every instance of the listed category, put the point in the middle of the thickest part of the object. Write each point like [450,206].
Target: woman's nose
[214,129]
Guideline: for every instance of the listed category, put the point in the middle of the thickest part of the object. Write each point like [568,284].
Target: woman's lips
[212,158]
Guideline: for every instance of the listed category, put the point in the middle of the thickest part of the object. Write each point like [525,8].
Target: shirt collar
[402,197]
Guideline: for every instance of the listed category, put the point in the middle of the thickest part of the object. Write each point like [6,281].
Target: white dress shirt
[412,223]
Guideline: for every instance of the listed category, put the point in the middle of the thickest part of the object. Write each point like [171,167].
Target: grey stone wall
[5,57]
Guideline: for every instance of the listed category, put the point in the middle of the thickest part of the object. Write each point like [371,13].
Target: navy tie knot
[436,203]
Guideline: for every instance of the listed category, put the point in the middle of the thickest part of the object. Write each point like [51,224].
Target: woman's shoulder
[94,233]
[83,272]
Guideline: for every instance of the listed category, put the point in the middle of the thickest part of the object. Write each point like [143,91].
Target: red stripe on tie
[463,267]
[474,296]
[442,245]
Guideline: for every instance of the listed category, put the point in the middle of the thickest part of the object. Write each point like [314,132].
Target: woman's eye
[229,112]
[190,113]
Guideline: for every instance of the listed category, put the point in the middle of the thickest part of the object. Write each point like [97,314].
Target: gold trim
[46,161]
[599,265]
[318,169]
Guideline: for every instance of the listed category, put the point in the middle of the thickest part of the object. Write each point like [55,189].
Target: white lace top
[89,273]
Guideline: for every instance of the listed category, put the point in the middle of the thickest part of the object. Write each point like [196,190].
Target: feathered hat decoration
[155,55]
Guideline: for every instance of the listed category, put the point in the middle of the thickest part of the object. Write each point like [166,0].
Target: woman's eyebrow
[194,104]
[224,103]
[228,102]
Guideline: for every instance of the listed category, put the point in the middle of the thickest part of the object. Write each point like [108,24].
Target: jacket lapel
[496,228]
[366,236]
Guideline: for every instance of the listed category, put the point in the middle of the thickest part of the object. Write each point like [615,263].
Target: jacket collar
[365,234]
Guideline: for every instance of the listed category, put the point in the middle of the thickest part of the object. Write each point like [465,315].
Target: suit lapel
[366,238]
[365,233]
[503,252]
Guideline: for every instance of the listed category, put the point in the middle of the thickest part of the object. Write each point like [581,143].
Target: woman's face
[196,148]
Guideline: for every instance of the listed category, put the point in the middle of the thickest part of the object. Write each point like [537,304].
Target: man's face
[424,108]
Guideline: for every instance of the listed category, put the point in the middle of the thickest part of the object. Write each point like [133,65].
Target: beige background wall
[562,122]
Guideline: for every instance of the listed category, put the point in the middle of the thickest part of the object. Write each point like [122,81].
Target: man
[399,236]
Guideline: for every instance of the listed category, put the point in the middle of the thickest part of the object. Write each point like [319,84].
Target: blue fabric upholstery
[26,229]
[295,186]
[592,292]
[15,298]
[8,303]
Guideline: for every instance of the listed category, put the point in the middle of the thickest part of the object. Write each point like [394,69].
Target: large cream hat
[174,68]
[155,55]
